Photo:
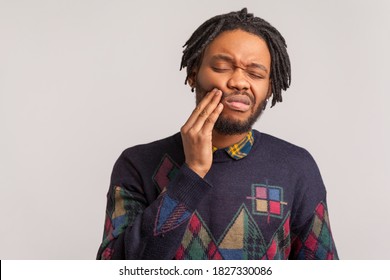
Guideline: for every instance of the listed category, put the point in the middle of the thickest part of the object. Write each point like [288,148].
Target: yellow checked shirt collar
[240,149]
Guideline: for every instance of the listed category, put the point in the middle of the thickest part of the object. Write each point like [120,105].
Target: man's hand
[197,133]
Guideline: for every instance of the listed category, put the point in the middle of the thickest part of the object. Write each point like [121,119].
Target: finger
[199,108]
[206,112]
[210,121]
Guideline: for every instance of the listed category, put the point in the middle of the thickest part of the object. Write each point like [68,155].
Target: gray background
[80,81]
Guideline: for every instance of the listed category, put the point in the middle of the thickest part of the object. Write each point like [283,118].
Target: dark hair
[280,63]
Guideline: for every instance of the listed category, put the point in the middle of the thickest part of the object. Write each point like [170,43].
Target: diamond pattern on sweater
[279,247]
[165,172]
[318,244]
[242,239]
[197,243]
[122,210]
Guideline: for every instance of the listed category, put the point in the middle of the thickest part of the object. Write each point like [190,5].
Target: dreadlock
[280,63]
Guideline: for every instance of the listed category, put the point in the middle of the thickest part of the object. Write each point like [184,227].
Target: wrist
[198,170]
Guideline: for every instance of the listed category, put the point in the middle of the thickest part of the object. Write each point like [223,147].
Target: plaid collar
[241,149]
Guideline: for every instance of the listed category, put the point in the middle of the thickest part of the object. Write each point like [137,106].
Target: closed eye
[256,75]
[220,69]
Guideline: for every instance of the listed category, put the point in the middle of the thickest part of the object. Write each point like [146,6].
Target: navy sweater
[271,204]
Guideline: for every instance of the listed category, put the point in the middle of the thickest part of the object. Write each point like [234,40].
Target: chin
[235,122]
[229,126]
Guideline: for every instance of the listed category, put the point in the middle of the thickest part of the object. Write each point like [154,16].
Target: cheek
[208,80]
[261,92]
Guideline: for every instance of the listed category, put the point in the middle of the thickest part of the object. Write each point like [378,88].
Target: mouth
[241,103]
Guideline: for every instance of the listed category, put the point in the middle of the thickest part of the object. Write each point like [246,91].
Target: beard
[227,126]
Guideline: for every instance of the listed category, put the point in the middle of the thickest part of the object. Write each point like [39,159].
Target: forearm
[155,232]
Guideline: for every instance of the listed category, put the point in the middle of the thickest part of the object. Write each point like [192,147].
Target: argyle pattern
[241,240]
[280,246]
[198,243]
[318,244]
[122,209]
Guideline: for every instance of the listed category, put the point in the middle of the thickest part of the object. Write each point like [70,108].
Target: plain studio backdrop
[80,81]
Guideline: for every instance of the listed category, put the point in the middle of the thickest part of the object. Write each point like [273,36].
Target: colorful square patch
[267,200]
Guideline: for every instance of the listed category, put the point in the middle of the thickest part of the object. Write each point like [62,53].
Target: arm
[314,239]
[136,230]
[311,236]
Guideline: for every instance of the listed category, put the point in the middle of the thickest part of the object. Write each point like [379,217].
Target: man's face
[238,63]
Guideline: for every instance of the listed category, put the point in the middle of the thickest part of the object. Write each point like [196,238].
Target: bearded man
[220,189]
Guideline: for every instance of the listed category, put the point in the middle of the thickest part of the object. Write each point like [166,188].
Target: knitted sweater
[268,203]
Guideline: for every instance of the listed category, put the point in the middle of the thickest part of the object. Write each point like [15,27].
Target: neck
[223,141]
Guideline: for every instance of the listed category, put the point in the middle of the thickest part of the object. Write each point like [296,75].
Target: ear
[192,79]
[269,93]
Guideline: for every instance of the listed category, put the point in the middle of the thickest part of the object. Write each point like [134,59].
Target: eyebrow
[230,60]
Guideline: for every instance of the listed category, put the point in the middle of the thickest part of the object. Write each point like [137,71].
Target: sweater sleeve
[137,229]
[314,240]
[311,236]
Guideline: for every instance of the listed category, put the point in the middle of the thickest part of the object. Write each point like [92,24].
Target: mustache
[236,92]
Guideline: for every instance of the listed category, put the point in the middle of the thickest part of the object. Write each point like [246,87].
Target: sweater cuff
[188,187]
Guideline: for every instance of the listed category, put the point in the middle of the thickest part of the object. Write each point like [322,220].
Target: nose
[238,81]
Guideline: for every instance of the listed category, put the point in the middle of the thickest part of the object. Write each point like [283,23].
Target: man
[218,189]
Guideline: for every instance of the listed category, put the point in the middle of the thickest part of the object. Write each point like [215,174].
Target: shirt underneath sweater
[267,203]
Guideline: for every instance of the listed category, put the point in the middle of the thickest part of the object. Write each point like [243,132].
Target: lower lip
[237,106]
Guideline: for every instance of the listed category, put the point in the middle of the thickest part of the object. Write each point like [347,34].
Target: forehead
[242,46]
